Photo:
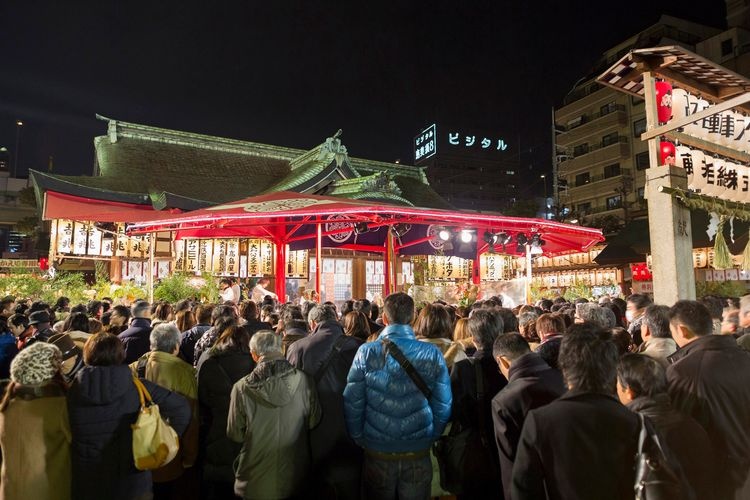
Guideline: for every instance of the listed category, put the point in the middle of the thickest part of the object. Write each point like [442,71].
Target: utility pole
[19,124]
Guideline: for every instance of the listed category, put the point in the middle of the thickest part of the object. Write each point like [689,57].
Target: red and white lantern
[666,153]
[664,101]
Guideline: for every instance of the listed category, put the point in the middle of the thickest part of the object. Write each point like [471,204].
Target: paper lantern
[700,131]
[696,180]
[741,122]
[666,153]
[664,101]
[684,104]
[684,159]
[727,131]
[743,183]
[731,181]
[714,176]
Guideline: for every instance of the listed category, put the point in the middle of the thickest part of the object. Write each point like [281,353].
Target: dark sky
[292,73]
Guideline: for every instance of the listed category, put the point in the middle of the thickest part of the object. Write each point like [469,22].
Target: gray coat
[270,413]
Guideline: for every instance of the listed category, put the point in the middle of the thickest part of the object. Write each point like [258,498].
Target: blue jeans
[407,479]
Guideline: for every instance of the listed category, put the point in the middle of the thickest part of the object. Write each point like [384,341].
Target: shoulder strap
[337,345]
[393,350]
[141,366]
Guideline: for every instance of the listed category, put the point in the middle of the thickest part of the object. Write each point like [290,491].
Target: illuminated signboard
[467,140]
[425,144]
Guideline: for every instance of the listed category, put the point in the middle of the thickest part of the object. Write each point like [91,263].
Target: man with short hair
[162,366]
[657,339]
[365,307]
[594,313]
[271,412]
[190,337]
[95,309]
[226,292]
[135,339]
[295,328]
[715,306]
[583,444]
[636,306]
[326,355]
[730,322]
[642,387]
[386,412]
[709,382]
[550,328]
[532,383]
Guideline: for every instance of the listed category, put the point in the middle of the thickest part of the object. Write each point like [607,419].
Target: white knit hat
[36,364]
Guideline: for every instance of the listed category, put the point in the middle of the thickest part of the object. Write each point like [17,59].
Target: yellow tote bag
[155,443]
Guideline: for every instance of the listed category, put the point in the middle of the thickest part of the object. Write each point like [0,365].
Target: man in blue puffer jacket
[388,415]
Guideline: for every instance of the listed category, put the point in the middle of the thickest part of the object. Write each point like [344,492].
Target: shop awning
[66,206]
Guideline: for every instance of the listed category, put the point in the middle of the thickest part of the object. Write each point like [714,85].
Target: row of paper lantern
[710,175]
[728,128]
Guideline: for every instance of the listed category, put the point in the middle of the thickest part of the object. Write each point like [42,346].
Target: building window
[612,170]
[583,178]
[336,281]
[614,202]
[510,172]
[610,139]
[639,127]
[641,161]
[374,278]
[581,149]
[727,47]
[607,108]
[584,208]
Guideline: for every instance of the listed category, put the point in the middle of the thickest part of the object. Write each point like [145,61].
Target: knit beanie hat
[36,364]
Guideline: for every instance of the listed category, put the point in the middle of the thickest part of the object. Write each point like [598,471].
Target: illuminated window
[583,178]
[614,202]
[336,281]
[374,279]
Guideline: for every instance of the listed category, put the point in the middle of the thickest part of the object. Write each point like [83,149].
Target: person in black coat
[642,387]
[531,383]
[709,382]
[103,404]
[190,337]
[135,339]
[365,307]
[218,370]
[583,444]
[481,478]
[327,355]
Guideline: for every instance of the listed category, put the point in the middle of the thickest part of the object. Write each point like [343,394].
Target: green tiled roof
[143,164]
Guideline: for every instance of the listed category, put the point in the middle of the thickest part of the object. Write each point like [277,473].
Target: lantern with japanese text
[666,153]
[697,181]
[664,101]
[685,104]
[715,170]
[685,160]
[743,183]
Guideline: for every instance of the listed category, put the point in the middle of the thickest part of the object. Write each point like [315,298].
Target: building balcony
[592,124]
[596,155]
[595,179]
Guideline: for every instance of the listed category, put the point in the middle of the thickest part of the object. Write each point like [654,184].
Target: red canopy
[268,216]
[66,206]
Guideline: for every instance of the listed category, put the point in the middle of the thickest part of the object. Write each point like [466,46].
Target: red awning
[66,206]
[256,215]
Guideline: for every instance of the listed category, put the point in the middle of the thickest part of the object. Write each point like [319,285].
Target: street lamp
[19,124]
[546,205]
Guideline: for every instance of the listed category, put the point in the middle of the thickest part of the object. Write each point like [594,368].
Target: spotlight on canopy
[466,236]
[444,234]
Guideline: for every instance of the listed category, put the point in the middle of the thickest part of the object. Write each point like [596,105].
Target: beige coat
[35,439]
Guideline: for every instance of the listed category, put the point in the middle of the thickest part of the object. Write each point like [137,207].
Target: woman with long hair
[356,325]
[184,320]
[435,325]
[218,369]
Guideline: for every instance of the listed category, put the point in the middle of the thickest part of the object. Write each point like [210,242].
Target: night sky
[292,73]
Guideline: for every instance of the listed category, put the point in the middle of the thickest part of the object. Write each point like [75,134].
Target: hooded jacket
[103,403]
[384,409]
[270,413]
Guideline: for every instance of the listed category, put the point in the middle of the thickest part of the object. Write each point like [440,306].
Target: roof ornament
[380,183]
[333,146]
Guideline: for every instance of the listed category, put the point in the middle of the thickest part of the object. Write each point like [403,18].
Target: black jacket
[218,370]
[549,350]
[136,339]
[334,454]
[685,439]
[532,383]
[188,338]
[580,446]
[709,382]
[102,405]
[482,477]
[291,335]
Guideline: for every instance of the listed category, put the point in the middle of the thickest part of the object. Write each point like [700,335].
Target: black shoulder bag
[337,345]
[464,448]
[654,478]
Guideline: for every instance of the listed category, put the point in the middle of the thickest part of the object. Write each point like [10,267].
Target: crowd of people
[278,400]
